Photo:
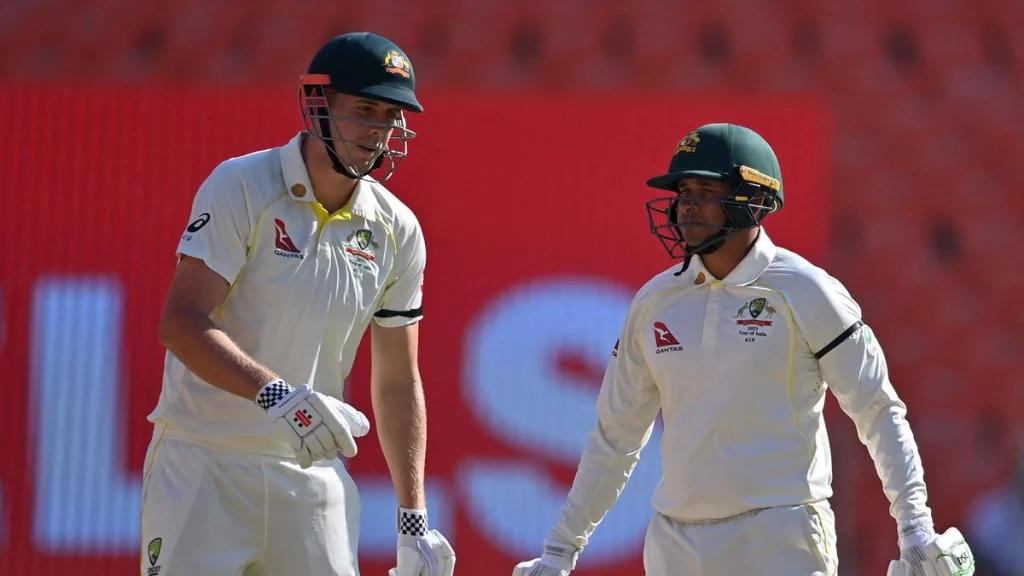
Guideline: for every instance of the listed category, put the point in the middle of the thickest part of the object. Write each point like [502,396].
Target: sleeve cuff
[396,319]
[917,532]
[223,269]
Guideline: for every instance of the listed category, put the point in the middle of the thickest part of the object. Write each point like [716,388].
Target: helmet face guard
[752,199]
[390,148]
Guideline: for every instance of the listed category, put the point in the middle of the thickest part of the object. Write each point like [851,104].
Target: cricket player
[289,255]
[736,348]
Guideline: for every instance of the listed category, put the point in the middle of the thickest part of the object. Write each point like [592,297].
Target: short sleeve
[218,228]
[402,302]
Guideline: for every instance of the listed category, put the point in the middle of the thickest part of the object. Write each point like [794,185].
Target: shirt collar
[296,178]
[754,263]
[746,272]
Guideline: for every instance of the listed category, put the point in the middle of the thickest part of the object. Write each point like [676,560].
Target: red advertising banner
[537,237]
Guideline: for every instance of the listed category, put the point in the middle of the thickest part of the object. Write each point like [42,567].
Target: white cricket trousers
[213,512]
[782,541]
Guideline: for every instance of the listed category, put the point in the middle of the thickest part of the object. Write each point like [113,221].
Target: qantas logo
[664,340]
[283,242]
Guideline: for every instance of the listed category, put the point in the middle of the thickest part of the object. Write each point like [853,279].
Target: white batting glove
[944,555]
[421,551]
[559,559]
[315,425]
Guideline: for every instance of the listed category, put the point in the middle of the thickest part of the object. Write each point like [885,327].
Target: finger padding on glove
[316,426]
[344,422]
[952,556]
[357,421]
[430,555]
[300,447]
[946,555]
[537,568]
[900,568]
[445,555]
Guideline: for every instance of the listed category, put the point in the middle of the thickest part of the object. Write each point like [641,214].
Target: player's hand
[315,425]
[421,551]
[943,555]
[559,559]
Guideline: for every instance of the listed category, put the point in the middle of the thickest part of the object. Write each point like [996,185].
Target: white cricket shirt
[305,285]
[739,369]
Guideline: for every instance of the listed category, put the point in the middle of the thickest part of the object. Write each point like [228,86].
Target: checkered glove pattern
[272,393]
[558,559]
[412,522]
[315,425]
[421,551]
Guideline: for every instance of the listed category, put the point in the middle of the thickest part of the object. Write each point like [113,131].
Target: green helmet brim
[671,180]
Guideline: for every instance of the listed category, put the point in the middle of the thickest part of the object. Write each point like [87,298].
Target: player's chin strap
[706,247]
[734,222]
[324,115]
[332,152]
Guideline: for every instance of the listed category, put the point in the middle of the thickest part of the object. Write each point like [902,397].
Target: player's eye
[699,193]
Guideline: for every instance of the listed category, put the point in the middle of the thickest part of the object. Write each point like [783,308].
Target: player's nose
[685,205]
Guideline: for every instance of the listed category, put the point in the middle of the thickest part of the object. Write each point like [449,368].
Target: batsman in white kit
[291,253]
[736,348]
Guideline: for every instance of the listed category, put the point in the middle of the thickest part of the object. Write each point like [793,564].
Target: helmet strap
[332,152]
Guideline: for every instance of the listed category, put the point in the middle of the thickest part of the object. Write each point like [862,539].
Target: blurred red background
[514,192]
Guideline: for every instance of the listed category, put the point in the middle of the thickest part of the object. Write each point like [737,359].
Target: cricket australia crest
[364,238]
[756,306]
[361,249]
[361,243]
[749,319]
[153,550]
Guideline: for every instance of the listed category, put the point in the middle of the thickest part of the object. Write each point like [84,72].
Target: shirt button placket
[711,316]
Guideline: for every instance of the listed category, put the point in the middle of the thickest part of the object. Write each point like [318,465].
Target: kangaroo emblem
[742,310]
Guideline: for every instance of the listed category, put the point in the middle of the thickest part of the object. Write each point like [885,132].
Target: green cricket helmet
[369,66]
[727,152]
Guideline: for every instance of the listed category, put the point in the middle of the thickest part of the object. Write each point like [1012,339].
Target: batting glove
[559,559]
[421,551]
[944,555]
[315,425]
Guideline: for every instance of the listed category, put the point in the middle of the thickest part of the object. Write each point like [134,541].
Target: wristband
[272,393]
[412,522]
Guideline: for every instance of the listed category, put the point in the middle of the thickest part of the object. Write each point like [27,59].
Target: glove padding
[946,555]
[421,551]
[559,559]
[315,425]
[536,567]
[426,555]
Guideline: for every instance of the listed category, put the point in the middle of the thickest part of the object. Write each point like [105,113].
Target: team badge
[688,144]
[363,239]
[396,63]
[754,318]
[362,250]
[154,550]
